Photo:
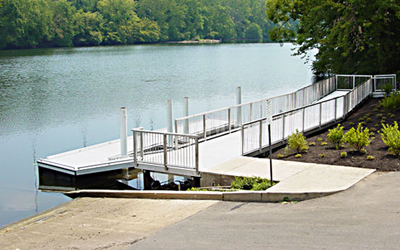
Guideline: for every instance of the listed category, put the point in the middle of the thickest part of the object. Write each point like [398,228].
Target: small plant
[377,125]
[387,88]
[311,144]
[357,138]
[351,123]
[319,139]
[361,119]
[297,156]
[390,135]
[383,121]
[373,129]
[370,158]
[368,119]
[336,136]
[250,183]
[362,123]
[321,155]
[363,151]
[392,115]
[324,143]
[384,118]
[343,154]
[296,142]
[379,115]
[280,156]
[375,110]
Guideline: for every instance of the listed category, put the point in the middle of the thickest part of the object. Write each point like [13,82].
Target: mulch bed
[383,161]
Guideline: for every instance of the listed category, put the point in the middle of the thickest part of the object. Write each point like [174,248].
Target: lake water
[55,100]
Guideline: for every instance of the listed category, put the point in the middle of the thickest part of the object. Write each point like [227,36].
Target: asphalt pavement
[366,216]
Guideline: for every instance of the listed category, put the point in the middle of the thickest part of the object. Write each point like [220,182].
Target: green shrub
[369,119]
[336,136]
[297,156]
[321,155]
[324,143]
[373,129]
[362,123]
[357,138]
[343,154]
[392,115]
[379,115]
[250,183]
[388,87]
[363,151]
[319,139]
[370,157]
[377,125]
[390,135]
[390,103]
[351,123]
[280,156]
[361,119]
[311,144]
[375,110]
[296,142]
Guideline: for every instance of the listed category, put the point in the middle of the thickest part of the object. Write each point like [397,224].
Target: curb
[243,196]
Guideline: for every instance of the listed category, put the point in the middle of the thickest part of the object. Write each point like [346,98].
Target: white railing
[380,82]
[307,118]
[225,120]
[166,151]
[347,82]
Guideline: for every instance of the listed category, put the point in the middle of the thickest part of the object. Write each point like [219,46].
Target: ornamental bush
[357,138]
[390,135]
[250,183]
[296,142]
[336,136]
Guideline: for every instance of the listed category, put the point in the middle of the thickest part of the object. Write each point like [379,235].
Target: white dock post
[170,128]
[123,133]
[185,114]
[239,101]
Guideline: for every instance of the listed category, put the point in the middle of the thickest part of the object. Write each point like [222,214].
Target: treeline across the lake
[60,23]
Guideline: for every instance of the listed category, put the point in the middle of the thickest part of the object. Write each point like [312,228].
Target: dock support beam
[123,132]
[170,141]
[238,102]
[185,114]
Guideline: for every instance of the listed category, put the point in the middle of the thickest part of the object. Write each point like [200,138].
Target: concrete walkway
[297,181]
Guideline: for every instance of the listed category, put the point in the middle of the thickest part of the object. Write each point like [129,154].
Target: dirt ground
[383,161]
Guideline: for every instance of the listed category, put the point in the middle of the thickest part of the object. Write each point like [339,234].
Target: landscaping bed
[371,114]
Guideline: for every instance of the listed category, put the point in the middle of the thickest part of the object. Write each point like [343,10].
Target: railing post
[123,132]
[242,132]
[176,130]
[169,121]
[238,102]
[165,151]
[260,137]
[354,82]
[283,127]
[197,155]
[185,114]
[135,148]
[229,120]
[251,111]
[204,128]
[304,116]
[141,143]
[335,109]
[320,114]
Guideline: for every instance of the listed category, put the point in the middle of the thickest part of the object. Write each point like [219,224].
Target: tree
[355,36]
[253,33]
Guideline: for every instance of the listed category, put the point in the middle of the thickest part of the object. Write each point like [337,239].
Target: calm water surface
[56,100]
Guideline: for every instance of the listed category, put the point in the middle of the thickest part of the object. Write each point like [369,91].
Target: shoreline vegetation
[81,23]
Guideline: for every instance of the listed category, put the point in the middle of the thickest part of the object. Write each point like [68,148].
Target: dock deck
[107,156]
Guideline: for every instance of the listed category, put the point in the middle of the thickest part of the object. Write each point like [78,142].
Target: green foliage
[324,143]
[351,123]
[347,34]
[387,88]
[369,119]
[343,154]
[361,119]
[390,135]
[319,139]
[321,155]
[296,142]
[390,103]
[297,156]
[370,158]
[280,156]
[336,136]
[44,23]
[312,144]
[358,138]
[250,183]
